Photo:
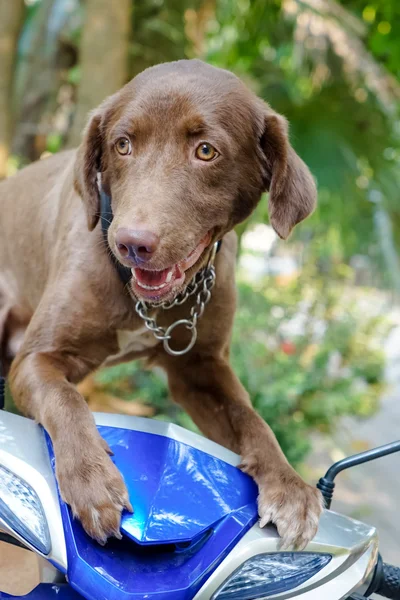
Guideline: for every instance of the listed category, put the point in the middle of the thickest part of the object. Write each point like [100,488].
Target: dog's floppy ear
[87,166]
[292,191]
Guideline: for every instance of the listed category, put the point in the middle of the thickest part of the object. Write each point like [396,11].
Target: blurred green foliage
[383,21]
[332,68]
[323,67]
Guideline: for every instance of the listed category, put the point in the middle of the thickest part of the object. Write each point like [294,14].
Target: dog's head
[185,151]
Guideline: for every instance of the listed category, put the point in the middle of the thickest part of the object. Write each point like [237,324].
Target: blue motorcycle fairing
[190,510]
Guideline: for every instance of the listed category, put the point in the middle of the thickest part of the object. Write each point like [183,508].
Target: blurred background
[317,335]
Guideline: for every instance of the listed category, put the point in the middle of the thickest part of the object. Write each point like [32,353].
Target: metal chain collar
[202,283]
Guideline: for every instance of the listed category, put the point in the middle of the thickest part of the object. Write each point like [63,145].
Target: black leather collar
[106,217]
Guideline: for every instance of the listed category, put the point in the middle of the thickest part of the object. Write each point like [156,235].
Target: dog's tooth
[169,276]
[152,288]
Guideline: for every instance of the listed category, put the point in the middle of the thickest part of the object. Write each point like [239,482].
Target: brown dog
[185,152]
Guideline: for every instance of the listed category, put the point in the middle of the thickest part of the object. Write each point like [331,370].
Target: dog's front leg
[209,391]
[88,480]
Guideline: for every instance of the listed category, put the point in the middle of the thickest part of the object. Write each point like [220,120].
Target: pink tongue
[152,278]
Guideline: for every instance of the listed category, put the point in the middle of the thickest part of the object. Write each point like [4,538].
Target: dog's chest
[133,341]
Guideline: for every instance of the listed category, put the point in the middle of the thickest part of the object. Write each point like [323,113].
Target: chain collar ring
[202,283]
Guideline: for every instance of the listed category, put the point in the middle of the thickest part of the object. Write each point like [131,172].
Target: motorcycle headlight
[22,511]
[268,574]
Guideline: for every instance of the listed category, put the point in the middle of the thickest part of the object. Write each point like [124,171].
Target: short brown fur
[58,285]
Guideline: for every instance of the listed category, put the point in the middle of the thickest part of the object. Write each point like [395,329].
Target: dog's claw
[96,493]
[265,519]
[106,447]
[101,541]
[294,508]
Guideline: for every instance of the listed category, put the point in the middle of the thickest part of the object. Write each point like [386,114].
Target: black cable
[327,484]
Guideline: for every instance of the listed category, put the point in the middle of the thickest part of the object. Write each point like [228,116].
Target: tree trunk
[196,23]
[103,57]
[11,19]
[36,86]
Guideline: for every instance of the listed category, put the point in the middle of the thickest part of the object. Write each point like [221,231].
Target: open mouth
[154,286]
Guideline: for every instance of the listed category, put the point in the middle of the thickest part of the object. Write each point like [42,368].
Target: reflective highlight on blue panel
[178,492]
[190,510]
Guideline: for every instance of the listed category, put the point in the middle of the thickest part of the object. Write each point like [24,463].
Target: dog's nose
[136,243]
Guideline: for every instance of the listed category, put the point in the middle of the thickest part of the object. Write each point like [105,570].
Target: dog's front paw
[293,506]
[93,487]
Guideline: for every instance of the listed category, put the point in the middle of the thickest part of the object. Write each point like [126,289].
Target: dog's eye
[206,152]
[123,146]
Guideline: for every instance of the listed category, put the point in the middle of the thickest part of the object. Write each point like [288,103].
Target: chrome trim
[353,546]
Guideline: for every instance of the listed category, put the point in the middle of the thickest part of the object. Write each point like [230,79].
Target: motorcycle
[194,532]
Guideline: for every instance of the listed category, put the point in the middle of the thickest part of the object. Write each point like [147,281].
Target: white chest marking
[134,341]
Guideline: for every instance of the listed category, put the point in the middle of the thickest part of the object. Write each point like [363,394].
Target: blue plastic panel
[180,495]
[48,591]
[178,492]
